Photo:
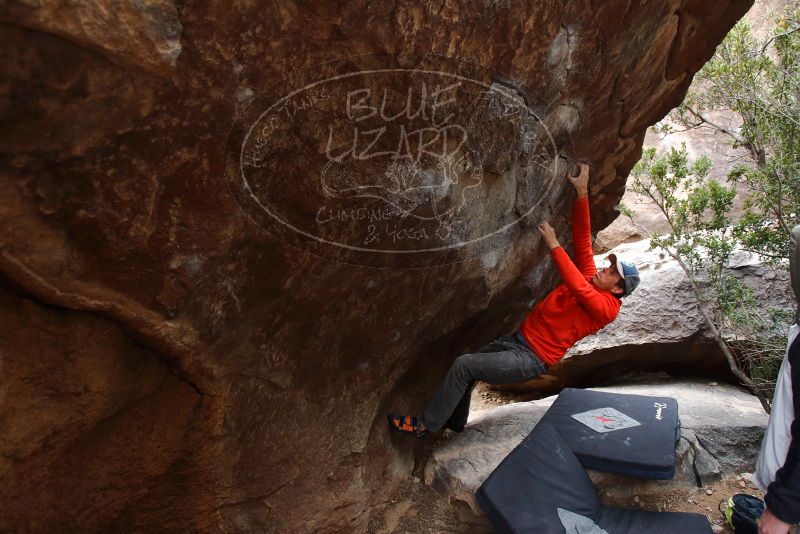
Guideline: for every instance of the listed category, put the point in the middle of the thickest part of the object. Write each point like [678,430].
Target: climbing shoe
[406,424]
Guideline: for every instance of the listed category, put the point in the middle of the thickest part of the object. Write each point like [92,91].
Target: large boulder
[85,406]
[659,327]
[250,292]
[141,35]
[721,431]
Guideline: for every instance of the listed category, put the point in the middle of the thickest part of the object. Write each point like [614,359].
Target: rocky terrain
[209,298]
[721,433]
[721,429]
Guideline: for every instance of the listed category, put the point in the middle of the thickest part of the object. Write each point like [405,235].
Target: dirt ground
[417,509]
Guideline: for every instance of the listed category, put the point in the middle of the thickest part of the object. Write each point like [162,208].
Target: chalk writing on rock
[362,163]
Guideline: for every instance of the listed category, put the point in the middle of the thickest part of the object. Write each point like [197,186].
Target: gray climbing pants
[506,359]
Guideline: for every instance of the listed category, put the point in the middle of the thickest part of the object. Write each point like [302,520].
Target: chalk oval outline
[452,246]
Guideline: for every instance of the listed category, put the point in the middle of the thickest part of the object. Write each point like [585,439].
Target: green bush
[758,83]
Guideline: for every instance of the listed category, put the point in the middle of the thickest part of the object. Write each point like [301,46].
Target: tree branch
[736,137]
[782,34]
[702,306]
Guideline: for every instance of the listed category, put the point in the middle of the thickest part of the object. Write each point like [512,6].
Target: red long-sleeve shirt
[575,308]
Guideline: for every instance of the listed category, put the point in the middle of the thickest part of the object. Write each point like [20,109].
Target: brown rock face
[95,427]
[143,35]
[224,258]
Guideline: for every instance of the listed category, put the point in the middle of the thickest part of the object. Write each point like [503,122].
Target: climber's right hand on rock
[581,181]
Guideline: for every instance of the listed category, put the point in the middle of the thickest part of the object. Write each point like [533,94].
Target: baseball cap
[628,272]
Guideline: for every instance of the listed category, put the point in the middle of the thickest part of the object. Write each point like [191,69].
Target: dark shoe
[406,424]
[458,429]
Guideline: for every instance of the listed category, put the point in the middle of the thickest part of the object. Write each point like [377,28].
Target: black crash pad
[541,488]
[616,433]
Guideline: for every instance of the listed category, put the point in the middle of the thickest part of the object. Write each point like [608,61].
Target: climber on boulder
[585,301]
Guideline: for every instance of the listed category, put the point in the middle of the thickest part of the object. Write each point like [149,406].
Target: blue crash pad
[541,488]
[617,433]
